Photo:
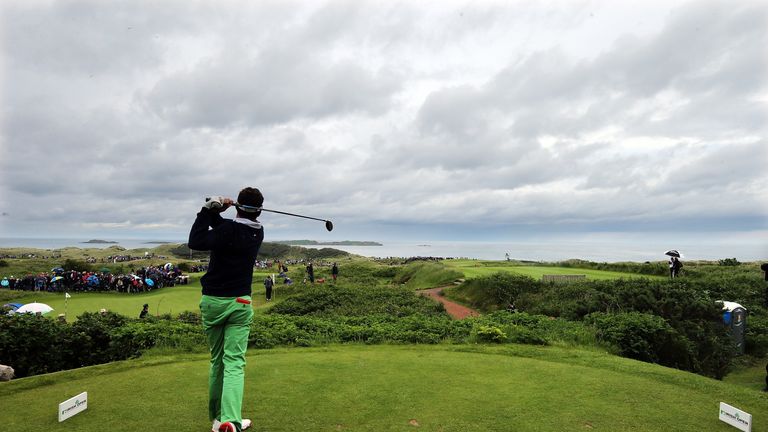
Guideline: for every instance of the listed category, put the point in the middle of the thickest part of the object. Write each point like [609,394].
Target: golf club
[328,224]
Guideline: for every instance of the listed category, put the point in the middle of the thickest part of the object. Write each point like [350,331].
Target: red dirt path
[455,310]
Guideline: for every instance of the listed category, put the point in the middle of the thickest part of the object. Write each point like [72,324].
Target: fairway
[389,388]
[474,268]
[168,300]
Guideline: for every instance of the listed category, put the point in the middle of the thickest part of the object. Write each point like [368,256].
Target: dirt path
[455,310]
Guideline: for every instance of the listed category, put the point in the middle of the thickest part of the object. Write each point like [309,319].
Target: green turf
[390,388]
[474,268]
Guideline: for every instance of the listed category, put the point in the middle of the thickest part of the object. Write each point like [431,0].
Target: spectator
[268,283]
[144,311]
[311,273]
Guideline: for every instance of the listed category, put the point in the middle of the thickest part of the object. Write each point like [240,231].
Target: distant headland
[327,243]
[100,241]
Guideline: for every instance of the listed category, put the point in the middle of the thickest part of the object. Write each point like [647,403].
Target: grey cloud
[272,89]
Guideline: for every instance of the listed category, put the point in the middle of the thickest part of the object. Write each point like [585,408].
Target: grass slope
[390,388]
[474,268]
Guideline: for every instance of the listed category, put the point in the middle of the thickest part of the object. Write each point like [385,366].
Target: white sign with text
[735,417]
[73,406]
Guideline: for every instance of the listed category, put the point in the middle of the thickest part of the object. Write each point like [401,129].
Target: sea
[598,248]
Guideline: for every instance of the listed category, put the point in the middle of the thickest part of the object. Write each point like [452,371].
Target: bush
[636,335]
[3,263]
[729,262]
[700,347]
[324,300]
[494,292]
[140,335]
[34,345]
[756,337]
[80,266]
[490,334]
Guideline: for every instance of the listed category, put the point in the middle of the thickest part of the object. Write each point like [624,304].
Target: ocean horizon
[553,249]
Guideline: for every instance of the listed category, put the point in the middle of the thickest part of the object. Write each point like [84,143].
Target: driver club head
[329,225]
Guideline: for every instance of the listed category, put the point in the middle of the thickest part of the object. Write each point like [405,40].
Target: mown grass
[390,388]
[474,268]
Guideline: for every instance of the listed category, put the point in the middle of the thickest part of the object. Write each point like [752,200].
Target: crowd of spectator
[59,280]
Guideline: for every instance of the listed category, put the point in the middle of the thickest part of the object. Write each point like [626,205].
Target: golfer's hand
[218,204]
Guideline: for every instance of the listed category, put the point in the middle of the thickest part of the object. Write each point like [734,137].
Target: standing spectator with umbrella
[674,263]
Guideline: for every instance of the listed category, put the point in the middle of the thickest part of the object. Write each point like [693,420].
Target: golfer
[226,304]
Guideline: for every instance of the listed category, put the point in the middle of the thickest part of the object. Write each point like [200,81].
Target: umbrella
[168,266]
[57,278]
[92,280]
[135,276]
[4,282]
[57,270]
[149,282]
[673,253]
[34,308]
[13,306]
[104,270]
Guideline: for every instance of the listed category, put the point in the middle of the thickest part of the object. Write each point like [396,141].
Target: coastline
[548,251]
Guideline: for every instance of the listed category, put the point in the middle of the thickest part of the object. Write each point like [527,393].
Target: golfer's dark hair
[250,197]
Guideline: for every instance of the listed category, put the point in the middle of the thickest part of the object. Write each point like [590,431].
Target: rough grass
[388,388]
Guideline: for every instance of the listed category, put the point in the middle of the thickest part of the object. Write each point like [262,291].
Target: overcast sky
[396,120]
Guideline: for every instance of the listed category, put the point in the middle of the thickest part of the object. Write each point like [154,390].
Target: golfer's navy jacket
[233,247]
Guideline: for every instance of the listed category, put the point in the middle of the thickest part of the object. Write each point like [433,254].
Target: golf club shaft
[292,214]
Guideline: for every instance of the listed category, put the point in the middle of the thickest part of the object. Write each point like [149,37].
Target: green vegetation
[389,388]
[475,268]
[630,312]
[425,274]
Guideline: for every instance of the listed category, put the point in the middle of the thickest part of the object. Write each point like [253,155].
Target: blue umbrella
[149,282]
[4,282]
[92,280]
[13,306]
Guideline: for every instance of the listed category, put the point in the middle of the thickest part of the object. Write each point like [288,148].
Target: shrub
[72,264]
[34,344]
[188,317]
[3,263]
[729,262]
[756,337]
[337,300]
[490,334]
[494,292]
[637,335]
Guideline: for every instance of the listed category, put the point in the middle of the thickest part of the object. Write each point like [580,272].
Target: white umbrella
[34,308]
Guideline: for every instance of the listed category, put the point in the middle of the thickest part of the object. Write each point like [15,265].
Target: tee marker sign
[735,417]
[73,406]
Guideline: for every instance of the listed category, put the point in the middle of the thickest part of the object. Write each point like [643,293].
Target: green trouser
[227,323]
